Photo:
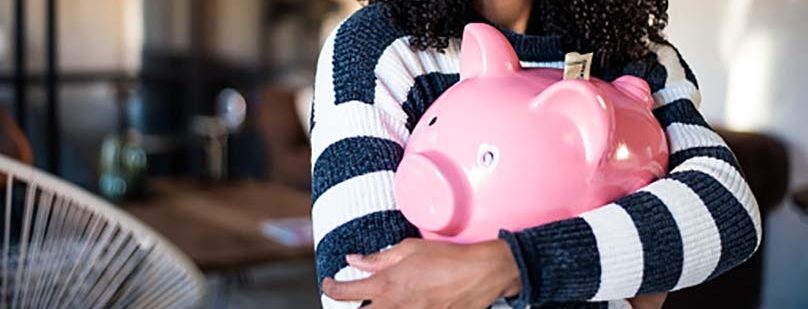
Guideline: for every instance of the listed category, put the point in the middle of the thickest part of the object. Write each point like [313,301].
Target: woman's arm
[356,146]
[369,84]
[688,227]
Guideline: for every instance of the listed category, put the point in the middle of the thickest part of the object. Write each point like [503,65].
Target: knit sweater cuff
[558,262]
[522,300]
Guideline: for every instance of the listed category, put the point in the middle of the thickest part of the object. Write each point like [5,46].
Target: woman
[381,69]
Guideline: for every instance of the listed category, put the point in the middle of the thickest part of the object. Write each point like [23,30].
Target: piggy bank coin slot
[433,120]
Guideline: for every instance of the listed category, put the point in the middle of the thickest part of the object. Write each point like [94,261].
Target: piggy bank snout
[432,193]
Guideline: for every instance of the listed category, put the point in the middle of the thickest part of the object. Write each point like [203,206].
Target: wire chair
[66,248]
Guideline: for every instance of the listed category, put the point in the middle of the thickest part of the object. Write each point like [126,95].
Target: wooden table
[219,226]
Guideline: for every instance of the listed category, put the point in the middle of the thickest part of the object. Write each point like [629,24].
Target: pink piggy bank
[512,148]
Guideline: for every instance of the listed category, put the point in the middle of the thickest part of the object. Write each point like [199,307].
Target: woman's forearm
[684,229]
[688,227]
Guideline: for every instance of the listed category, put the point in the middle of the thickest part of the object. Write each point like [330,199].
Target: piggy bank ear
[581,103]
[486,52]
[635,87]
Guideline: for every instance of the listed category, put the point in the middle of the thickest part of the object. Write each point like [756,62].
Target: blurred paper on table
[292,232]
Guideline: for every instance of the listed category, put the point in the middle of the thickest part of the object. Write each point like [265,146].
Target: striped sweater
[686,228]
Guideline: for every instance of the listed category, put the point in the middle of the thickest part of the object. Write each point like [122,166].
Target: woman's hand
[651,301]
[428,274]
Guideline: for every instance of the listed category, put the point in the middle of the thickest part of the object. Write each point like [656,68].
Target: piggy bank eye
[488,156]
[433,120]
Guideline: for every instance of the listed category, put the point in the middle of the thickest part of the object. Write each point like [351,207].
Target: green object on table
[123,167]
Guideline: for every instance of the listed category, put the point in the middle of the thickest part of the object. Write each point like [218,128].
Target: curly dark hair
[615,30]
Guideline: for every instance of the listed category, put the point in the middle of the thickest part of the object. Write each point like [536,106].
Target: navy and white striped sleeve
[370,88]
[688,227]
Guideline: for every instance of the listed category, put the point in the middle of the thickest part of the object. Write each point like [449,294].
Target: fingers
[652,301]
[351,290]
[375,262]
[379,261]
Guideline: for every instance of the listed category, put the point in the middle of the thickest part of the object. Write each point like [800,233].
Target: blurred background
[192,116]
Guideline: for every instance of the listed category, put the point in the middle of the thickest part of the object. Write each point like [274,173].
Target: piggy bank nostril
[434,119]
